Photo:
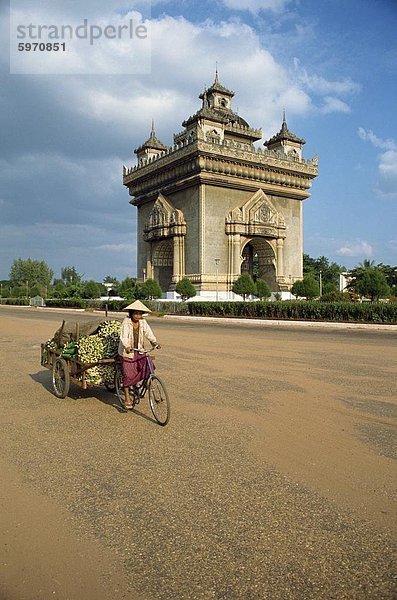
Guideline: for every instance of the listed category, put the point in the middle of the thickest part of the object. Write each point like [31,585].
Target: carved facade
[213,205]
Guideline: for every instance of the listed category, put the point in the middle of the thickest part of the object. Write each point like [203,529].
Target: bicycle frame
[140,389]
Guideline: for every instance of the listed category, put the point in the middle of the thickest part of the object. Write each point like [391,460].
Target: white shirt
[127,336]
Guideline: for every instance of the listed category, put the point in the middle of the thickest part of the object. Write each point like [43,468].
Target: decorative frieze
[164,221]
[221,159]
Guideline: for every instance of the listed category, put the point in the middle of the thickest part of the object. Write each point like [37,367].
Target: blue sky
[331,64]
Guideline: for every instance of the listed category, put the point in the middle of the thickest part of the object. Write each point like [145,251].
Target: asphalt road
[275,478]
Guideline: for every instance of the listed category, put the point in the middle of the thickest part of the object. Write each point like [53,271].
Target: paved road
[275,479]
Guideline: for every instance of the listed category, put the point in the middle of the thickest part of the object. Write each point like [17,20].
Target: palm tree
[365,264]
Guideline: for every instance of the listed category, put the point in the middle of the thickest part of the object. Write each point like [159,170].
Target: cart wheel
[118,384]
[60,378]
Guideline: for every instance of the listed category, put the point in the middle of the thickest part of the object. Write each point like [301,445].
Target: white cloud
[388,174]
[263,86]
[329,89]
[375,140]
[356,248]
[332,104]
[255,6]
[322,86]
[387,162]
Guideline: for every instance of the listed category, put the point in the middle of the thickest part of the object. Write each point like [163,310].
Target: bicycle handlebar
[145,351]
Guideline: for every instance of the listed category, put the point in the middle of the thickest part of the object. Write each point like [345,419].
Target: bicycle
[158,395]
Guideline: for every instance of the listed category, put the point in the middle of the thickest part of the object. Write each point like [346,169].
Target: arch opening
[259,261]
[163,260]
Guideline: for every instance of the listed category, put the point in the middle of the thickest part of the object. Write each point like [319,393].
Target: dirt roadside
[275,478]
[43,553]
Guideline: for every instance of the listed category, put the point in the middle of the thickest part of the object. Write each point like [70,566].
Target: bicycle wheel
[159,401]
[60,378]
[118,384]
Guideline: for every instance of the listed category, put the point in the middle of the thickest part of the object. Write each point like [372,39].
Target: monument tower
[213,205]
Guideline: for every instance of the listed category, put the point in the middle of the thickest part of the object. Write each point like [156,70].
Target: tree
[244,285]
[372,283]
[30,272]
[91,289]
[262,289]
[311,287]
[151,289]
[5,288]
[307,288]
[59,289]
[111,279]
[128,288]
[391,276]
[70,275]
[185,289]
[321,266]
[298,289]
[368,279]
[111,285]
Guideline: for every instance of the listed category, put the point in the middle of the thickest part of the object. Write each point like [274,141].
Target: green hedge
[113,305]
[15,301]
[71,303]
[367,312]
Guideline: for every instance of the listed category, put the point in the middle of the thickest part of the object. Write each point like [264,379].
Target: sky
[68,127]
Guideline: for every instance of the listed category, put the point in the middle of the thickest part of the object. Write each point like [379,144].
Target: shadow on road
[105,396]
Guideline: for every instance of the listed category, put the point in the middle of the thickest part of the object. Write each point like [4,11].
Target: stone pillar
[236,254]
[280,257]
[177,259]
[182,255]
[149,264]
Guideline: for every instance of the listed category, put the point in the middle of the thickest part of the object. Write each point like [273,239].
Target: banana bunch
[93,348]
[90,349]
[110,331]
[44,353]
[69,350]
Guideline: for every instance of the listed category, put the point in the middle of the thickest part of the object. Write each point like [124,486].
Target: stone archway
[162,262]
[259,260]
[256,231]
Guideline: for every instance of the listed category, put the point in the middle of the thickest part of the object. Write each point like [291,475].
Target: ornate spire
[152,143]
[284,134]
[217,87]
[216,82]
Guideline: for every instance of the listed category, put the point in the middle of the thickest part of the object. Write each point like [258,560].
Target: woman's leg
[127,399]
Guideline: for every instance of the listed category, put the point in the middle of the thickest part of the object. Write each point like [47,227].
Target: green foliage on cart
[103,344]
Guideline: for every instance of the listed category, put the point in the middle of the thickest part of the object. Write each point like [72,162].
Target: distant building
[212,205]
[344,280]
[37,301]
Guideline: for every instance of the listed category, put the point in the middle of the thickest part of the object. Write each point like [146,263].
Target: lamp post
[27,288]
[216,266]
[321,283]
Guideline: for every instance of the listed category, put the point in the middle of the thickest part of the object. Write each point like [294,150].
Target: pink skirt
[134,369]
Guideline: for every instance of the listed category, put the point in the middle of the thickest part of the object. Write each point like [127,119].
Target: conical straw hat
[139,306]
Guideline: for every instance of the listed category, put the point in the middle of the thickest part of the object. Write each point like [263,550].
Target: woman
[133,331]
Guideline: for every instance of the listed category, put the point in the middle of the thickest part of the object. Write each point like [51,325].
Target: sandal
[128,405]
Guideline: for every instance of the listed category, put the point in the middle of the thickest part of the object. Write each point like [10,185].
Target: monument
[213,205]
